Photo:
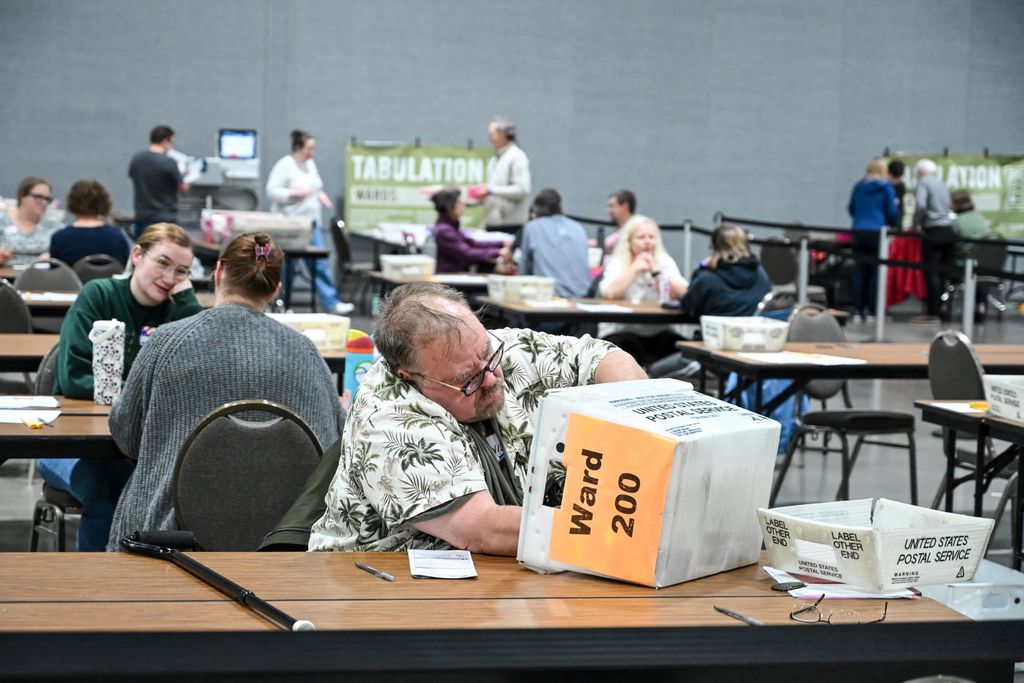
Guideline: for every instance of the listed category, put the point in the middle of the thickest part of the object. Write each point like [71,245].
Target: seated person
[25,231]
[971,224]
[456,251]
[621,207]
[436,448]
[227,353]
[555,246]
[89,234]
[729,282]
[157,292]
[639,269]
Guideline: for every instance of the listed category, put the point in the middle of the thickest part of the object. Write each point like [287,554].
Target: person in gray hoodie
[933,217]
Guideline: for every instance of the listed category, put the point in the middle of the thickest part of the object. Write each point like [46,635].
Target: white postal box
[328,332]
[877,544]
[408,267]
[1005,396]
[743,333]
[662,483]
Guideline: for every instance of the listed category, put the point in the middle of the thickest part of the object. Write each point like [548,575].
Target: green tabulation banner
[393,184]
[996,184]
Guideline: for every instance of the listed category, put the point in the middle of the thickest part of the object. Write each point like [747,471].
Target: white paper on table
[551,303]
[832,590]
[787,357]
[49,296]
[24,402]
[17,417]
[604,308]
[441,564]
[964,407]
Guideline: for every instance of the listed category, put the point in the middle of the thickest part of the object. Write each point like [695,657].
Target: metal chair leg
[790,447]
[844,486]
[913,468]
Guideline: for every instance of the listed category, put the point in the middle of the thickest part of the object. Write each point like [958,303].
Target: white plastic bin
[328,332]
[520,288]
[408,267]
[743,333]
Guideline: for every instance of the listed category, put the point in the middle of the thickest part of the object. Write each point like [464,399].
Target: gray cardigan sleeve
[129,411]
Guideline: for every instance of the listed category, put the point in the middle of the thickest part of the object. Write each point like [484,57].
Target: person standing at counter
[872,205]
[295,188]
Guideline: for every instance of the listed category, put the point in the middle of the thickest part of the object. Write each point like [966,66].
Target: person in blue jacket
[872,205]
[729,282]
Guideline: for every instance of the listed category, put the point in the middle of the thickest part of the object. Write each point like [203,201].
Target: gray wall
[766,109]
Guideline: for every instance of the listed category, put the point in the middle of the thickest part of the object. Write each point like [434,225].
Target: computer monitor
[234,143]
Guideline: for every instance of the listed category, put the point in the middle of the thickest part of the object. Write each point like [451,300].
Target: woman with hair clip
[157,292]
[456,251]
[639,269]
[294,188]
[729,282]
[230,352]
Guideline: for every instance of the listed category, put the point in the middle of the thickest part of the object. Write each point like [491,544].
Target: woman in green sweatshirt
[158,291]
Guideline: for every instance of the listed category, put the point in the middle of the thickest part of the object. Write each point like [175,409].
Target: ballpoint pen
[376,572]
[742,617]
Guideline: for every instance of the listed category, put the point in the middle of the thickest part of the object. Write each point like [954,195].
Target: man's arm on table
[479,525]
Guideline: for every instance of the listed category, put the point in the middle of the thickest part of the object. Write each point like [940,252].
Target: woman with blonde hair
[157,292]
[730,281]
[872,205]
[639,269]
[230,352]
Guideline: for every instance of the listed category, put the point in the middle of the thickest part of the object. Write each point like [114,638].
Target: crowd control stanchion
[970,286]
[803,272]
[687,246]
[883,284]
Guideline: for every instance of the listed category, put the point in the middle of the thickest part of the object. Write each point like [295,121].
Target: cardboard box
[518,289]
[743,333]
[1005,395]
[662,483]
[328,332]
[408,267]
[876,544]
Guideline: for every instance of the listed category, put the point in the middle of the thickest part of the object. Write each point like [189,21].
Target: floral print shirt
[404,455]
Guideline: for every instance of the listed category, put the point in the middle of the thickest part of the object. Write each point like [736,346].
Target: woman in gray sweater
[188,368]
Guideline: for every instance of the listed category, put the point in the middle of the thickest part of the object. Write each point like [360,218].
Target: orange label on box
[614,500]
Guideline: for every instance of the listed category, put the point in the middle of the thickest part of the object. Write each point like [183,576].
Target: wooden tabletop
[882,360]
[95,592]
[23,352]
[81,431]
[645,312]
[39,305]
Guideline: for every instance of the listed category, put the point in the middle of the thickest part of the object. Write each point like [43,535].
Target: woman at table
[227,353]
[295,189]
[157,292]
[89,234]
[456,251]
[639,269]
[730,281]
[25,231]
[872,205]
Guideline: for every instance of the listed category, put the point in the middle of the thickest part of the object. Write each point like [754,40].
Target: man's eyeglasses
[474,383]
[812,614]
[41,197]
[167,266]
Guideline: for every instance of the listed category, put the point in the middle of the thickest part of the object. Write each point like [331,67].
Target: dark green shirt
[103,300]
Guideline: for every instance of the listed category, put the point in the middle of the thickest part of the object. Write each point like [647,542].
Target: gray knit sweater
[190,367]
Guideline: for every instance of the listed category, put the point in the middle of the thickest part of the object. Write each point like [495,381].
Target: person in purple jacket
[872,205]
[456,251]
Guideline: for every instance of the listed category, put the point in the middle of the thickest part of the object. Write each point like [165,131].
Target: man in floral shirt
[436,447]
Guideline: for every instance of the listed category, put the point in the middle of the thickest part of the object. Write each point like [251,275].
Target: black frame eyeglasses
[812,614]
[475,382]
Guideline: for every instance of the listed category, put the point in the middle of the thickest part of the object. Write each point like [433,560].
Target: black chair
[813,323]
[48,516]
[48,275]
[234,478]
[15,318]
[955,374]
[347,270]
[779,260]
[97,266]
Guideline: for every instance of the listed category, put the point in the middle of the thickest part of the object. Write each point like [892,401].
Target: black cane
[243,596]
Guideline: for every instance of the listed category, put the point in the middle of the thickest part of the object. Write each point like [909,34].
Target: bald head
[420,313]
